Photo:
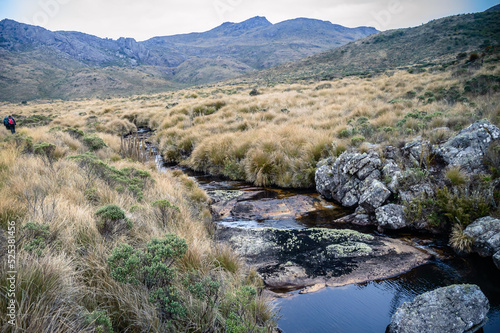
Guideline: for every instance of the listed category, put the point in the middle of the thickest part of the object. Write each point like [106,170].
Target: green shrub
[134,180]
[461,207]
[35,120]
[75,132]
[160,255]
[357,140]
[37,236]
[44,149]
[125,264]
[167,302]
[93,142]
[110,213]
[344,133]
[111,219]
[101,321]
[154,269]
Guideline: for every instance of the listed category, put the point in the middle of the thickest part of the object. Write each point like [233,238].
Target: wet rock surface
[453,309]
[254,205]
[307,257]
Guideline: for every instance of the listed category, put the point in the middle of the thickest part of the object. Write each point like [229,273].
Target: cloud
[144,19]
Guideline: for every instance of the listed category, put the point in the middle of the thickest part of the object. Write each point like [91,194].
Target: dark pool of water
[366,307]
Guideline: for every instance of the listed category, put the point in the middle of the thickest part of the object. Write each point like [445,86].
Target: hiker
[6,122]
[11,124]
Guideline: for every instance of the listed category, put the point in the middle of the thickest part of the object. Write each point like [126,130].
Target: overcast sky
[143,19]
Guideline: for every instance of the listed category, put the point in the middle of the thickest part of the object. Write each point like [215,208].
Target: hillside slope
[436,42]
[38,63]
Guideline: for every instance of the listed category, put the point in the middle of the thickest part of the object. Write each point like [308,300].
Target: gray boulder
[486,234]
[468,147]
[417,151]
[374,196]
[346,179]
[457,308]
[391,217]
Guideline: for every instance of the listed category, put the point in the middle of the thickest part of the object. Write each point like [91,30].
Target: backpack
[11,121]
[6,121]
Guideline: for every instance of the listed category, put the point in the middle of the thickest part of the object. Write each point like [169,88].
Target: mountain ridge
[436,42]
[225,51]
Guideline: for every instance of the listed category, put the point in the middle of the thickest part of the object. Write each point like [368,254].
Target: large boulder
[374,196]
[348,178]
[468,147]
[391,216]
[453,309]
[486,234]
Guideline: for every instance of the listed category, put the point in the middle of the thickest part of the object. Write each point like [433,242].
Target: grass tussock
[75,204]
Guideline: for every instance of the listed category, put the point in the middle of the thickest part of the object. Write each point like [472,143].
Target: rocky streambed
[299,242]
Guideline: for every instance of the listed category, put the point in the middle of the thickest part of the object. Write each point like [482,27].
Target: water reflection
[368,307]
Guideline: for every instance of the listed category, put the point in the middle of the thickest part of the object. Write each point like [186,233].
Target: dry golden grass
[70,267]
[275,138]
[224,130]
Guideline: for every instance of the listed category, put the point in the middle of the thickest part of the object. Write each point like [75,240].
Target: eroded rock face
[374,196]
[349,177]
[364,180]
[486,234]
[468,147]
[299,258]
[453,309]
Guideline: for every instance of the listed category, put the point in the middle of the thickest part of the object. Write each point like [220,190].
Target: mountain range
[38,63]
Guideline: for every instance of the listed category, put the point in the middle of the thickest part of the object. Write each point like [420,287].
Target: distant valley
[38,63]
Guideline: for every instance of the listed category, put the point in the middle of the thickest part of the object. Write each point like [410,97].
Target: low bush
[111,219]
[93,142]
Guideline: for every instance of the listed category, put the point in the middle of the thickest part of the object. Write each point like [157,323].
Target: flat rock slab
[242,205]
[301,258]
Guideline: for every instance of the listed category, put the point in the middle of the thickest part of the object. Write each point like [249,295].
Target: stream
[362,307]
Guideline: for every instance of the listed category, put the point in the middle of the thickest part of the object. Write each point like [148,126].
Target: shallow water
[366,307]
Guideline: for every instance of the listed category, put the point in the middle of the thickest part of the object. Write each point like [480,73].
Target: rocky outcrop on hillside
[468,147]
[453,309]
[381,183]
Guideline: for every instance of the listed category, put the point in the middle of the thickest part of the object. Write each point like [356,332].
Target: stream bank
[359,303]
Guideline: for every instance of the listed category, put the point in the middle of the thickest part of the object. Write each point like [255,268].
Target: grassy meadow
[275,134]
[76,201]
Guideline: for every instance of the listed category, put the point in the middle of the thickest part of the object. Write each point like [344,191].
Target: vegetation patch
[130,179]
[93,142]
[35,120]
